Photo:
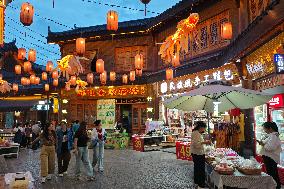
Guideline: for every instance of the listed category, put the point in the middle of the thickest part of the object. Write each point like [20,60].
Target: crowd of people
[61,141]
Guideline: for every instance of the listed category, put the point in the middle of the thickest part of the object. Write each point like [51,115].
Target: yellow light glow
[64,101]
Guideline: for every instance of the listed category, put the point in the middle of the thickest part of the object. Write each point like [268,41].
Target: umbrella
[229,97]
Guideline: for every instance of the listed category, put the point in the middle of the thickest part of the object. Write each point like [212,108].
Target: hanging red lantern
[21,53]
[44,76]
[100,67]
[132,76]
[32,55]
[32,79]
[28,81]
[103,78]
[27,14]
[124,79]
[73,80]
[23,81]
[27,66]
[112,20]
[227,30]
[55,74]
[55,82]
[49,66]
[175,60]
[46,87]
[112,76]
[138,61]
[37,80]
[169,74]
[139,73]
[18,69]
[15,87]
[90,78]
[80,46]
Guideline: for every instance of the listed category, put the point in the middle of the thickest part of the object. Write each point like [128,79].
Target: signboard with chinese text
[115,92]
[186,83]
[277,101]
[279,63]
[106,113]
[183,151]
[55,105]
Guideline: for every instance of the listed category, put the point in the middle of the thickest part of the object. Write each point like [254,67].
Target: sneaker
[60,175]
[43,179]
[90,178]
[65,173]
[101,170]
[48,177]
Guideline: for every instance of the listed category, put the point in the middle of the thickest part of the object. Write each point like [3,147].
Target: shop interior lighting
[149,109]
[37,94]
[64,111]
[64,101]
[41,102]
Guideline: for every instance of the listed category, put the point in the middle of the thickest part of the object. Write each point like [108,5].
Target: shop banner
[279,63]
[183,151]
[106,113]
[277,101]
[138,144]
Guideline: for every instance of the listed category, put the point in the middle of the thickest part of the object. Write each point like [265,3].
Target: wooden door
[139,118]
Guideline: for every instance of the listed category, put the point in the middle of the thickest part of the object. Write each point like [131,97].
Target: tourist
[75,126]
[28,134]
[81,150]
[35,133]
[198,153]
[47,154]
[64,146]
[271,149]
[18,134]
[98,140]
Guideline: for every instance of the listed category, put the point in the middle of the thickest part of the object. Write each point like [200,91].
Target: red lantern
[15,87]
[73,80]
[49,66]
[112,20]
[23,81]
[139,62]
[55,74]
[46,87]
[21,54]
[32,55]
[27,66]
[124,79]
[103,77]
[90,78]
[227,30]
[37,80]
[100,68]
[175,61]
[139,73]
[55,82]
[18,69]
[169,74]
[80,46]
[132,76]
[112,76]
[44,76]
[27,14]
[28,81]
[32,79]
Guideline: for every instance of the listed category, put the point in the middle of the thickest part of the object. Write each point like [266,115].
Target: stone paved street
[123,169]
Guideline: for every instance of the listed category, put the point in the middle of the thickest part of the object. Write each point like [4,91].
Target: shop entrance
[139,118]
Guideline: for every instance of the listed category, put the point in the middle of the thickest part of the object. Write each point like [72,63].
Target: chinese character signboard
[186,83]
[114,92]
[55,105]
[277,101]
[279,63]
[106,113]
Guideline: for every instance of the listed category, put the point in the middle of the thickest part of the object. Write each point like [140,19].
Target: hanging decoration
[22,53]
[124,79]
[49,66]
[5,86]
[81,85]
[145,2]
[100,68]
[132,76]
[138,73]
[27,66]
[227,30]
[175,61]
[90,78]
[37,80]
[70,65]
[28,81]
[18,69]
[80,46]
[44,76]
[112,76]
[103,78]
[27,14]
[15,87]
[177,41]
[32,79]
[54,74]
[55,82]
[46,87]
[112,20]
[32,55]
[23,80]
[169,74]
[138,62]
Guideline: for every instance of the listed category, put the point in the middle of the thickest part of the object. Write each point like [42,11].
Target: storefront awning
[19,105]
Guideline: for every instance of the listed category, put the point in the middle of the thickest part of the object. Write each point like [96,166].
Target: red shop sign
[276,101]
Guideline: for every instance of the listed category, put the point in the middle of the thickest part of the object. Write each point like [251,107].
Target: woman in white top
[198,153]
[271,149]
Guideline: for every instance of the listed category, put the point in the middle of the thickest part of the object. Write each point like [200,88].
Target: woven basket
[225,172]
[250,171]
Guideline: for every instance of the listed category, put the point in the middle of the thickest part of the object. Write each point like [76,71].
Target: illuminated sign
[107,92]
[276,101]
[185,83]
[279,63]
[255,68]
[2,9]
[55,105]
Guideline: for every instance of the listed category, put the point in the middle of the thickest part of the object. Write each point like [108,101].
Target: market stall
[8,148]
